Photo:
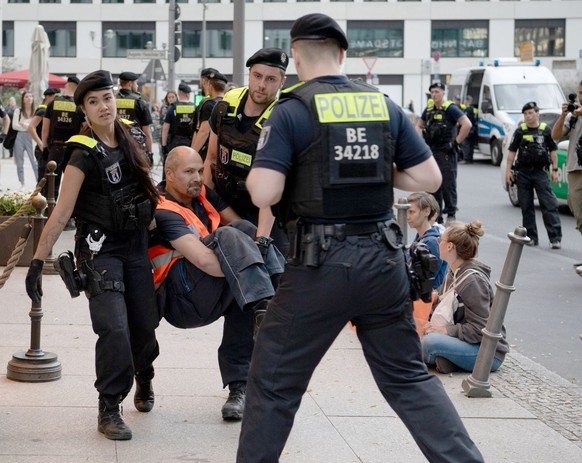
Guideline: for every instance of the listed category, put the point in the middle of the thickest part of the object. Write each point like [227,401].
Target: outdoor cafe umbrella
[19,79]
[38,66]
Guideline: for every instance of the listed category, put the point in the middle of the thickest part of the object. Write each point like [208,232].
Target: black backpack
[10,137]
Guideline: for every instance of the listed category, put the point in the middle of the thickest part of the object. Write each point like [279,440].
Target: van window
[486,103]
[474,85]
[511,97]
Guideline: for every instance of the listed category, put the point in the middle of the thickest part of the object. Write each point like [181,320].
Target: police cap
[73,80]
[184,88]
[436,85]
[468,98]
[317,26]
[97,80]
[274,57]
[213,74]
[530,105]
[51,91]
[128,76]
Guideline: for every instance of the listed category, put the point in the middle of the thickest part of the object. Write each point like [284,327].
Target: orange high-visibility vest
[161,257]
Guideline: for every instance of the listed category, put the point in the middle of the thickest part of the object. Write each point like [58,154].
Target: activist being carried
[203,271]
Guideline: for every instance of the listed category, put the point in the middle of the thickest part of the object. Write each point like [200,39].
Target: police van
[499,91]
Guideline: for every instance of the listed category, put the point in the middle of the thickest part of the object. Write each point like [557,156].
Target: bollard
[49,268]
[477,383]
[402,207]
[35,365]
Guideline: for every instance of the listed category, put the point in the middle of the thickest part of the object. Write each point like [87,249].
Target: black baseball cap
[436,85]
[96,80]
[184,88]
[128,76]
[73,80]
[274,57]
[51,91]
[213,74]
[317,26]
[530,105]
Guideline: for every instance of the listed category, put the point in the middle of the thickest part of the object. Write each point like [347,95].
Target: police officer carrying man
[438,124]
[62,120]
[35,129]
[213,85]
[327,154]
[131,107]
[536,152]
[236,124]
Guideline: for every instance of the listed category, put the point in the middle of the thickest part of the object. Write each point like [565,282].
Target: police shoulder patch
[263,138]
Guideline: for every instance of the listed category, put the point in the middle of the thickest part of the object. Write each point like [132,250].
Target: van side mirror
[487,107]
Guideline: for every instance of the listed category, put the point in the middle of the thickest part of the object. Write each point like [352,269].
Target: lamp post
[109,34]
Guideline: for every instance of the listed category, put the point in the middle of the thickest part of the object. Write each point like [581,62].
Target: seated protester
[421,216]
[455,347]
[202,272]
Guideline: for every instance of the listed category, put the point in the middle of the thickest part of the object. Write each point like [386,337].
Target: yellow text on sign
[351,107]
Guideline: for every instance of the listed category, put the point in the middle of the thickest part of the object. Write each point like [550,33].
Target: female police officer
[107,188]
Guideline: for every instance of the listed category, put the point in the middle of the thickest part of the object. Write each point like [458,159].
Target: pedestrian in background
[536,152]
[346,261]
[23,144]
[107,188]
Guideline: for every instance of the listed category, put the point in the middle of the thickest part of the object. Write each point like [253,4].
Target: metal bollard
[402,207]
[477,383]
[35,365]
[49,268]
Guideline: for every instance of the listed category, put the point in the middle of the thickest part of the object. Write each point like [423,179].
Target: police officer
[327,155]
[468,144]
[107,188]
[130,106]
[438,125]
[236,124]
[213,85]
[35,129]
[536,151]
[62,120]
[178,123]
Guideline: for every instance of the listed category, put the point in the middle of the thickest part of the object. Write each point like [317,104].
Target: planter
[9,238]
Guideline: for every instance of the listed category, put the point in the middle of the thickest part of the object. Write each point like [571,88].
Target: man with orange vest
[203,272]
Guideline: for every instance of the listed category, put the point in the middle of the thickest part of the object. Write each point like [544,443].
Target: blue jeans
[461,353]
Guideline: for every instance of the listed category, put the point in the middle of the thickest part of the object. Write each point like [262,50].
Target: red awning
[20,79]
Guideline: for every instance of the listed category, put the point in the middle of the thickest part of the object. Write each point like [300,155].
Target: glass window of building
[81,1]
[128,36]
[376,38]
[49,1]
[460,38]
[147,1]
[218,39]
[111,1]
[62,36]
[18,1]
[547,35]
[7,38]
[276,34]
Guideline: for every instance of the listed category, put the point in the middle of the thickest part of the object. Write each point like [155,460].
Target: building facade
[401,46]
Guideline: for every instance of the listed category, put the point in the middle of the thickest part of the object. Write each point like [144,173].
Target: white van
[499,91]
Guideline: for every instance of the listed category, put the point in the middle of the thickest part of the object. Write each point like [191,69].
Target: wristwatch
[263,241]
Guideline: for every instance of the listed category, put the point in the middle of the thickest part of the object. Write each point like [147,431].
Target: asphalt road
[544,315]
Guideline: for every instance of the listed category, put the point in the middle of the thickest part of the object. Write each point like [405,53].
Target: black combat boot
[233,408]
[144,395]
[110,422]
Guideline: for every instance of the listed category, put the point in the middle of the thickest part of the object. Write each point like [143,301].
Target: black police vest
[64,119]
[40,112]
[533,152]
[236,150]
[126,103]
[120,204]
[439,131]
[346,173]
[181,125]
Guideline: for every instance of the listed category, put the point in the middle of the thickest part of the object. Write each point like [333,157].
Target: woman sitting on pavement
[455,347]
[421,215]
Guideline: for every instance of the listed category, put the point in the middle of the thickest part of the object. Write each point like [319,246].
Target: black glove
[34,280]
[165,150]
[2,137]
[263,243]
[457,150]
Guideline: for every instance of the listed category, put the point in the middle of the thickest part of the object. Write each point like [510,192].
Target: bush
[12,201]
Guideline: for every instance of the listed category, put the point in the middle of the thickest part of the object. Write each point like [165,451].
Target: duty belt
[341,230]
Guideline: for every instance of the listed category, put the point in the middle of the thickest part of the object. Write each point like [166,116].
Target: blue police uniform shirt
[291,131]
[452,114]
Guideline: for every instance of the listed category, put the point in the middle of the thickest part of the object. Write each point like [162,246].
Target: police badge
[114,173]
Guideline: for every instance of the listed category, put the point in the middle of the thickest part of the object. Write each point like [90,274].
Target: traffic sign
[369,61]
[146,54]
